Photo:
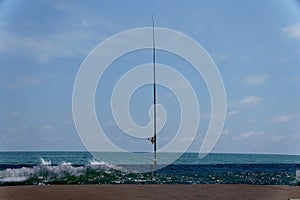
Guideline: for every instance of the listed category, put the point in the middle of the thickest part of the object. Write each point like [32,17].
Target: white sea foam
[45,162]
[46,172]
[298,175]
[11,175]
[66,163]
[13,179]
[95,163]
[41,172]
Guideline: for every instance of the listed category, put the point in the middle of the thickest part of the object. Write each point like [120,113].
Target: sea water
[39,168]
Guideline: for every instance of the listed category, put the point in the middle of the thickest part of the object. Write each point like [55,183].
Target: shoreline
[176,191]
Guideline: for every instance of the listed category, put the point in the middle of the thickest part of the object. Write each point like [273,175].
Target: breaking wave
[91,171]
[45,162]
[65,172]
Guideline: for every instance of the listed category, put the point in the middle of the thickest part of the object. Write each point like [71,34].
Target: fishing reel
[152,140]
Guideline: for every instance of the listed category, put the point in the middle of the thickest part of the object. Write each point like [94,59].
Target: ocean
[42,168]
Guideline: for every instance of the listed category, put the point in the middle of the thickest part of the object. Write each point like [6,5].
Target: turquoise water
[19,168]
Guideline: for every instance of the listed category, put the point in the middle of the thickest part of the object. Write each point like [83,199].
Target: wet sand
[224,191]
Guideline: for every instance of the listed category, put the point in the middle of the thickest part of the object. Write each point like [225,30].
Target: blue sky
[255,45]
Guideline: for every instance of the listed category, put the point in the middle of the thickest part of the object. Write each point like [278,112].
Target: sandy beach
[224,191]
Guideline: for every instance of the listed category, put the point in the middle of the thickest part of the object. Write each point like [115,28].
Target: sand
[225,191]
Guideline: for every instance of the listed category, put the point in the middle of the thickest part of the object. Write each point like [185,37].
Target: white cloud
[47,127]
[15,113]
[69,122]
[295,136]
[282,118]
[17,130]
[46,47]
[84,23]
[26,81]
[225,132]
[251,120]
[247,135]
[231,113]
[245,101]
[10,130]
[220,56]
[277,138]
[250,100]
[255,79]
[24,129]
[81,32]
[51,139]
[292,31]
